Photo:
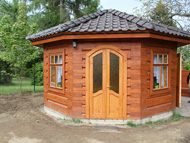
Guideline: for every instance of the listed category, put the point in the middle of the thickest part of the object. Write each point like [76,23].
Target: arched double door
[106,83]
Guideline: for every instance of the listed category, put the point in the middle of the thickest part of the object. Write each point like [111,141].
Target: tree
[48,13]
[79,8]
[161,14]
[16,50]
[178,10]
[170,12]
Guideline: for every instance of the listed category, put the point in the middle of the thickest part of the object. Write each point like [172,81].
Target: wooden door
[106,84]
[179,75]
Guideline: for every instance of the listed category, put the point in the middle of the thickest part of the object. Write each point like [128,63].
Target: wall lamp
[74,44]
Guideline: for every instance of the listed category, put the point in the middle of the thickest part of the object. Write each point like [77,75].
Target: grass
[176,117]
[14,88]
[75,121]
[159,122]
[131,124]
[149,123]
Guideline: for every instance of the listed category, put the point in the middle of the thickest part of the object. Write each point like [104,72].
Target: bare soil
[22,120]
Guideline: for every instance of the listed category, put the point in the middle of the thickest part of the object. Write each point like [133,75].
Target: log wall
[156,102]
[140,101]
[56,99]
[185,89]
[132,50]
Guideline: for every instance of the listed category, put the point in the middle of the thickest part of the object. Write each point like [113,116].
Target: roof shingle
[109,20]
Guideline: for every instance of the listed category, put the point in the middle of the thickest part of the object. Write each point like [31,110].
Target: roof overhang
[111,35]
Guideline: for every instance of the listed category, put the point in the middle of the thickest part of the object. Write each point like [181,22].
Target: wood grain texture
[83,47]
[55,98]
[185,89]
[157,101]
[139,101]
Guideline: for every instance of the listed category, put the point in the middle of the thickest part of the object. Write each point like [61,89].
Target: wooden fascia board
[109,36]
[155,36]
[94,36]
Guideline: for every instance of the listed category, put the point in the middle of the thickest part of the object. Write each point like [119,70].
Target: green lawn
[14,88]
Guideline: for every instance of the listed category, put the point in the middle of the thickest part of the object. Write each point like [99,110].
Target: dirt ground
[22,120]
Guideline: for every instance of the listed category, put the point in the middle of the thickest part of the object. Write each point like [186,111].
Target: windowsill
[55,87]
[160,89]
[160,92]
[56,90]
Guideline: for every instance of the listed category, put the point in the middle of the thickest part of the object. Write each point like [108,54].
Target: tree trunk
[20,81]
[64,15]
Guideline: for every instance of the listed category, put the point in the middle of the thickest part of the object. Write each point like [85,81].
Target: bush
[38,69]
[5,73]
[186,66]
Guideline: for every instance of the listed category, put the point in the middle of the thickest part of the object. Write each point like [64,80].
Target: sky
[121,5]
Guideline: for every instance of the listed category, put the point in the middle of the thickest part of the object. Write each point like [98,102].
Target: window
[160,71]
[56,71]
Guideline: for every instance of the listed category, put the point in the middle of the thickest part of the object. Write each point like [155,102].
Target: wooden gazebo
[111,65]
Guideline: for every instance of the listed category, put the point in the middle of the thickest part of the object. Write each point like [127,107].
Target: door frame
[88,55]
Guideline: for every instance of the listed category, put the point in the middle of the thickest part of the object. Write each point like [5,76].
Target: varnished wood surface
[101,35]
[105,104]
[185,89]
[138,101]
[178,82]
[157,101]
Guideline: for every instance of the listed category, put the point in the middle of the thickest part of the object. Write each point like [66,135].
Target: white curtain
[157,73]
[59,74]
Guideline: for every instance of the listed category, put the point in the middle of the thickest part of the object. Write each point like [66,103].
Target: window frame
[165,90]
[52,88]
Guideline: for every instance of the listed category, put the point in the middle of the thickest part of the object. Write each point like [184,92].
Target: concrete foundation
[163,116]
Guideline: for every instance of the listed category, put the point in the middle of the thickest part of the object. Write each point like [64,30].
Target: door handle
[108,86]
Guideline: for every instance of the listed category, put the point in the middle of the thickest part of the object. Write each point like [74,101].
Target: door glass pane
[56,59]
[160,59]
[52,76]
[97,73]
[165,59]
[114,72]
[156,84]
[60,59]
[59,76]
[164,77]
[52,59]
[155,59]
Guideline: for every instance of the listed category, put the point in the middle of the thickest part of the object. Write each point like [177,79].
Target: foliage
[9,9]
[5,73]
[48,13]
[14,87]
[16,50]
[186,66]
[161,14]
[38,69]
[176,116]
[79,8]
[185,51]
[178,10]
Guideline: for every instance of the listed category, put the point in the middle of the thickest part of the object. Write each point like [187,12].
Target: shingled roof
[110,20]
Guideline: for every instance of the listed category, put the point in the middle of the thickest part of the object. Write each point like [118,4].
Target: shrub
[5,73]
[186,66]
[38,69]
